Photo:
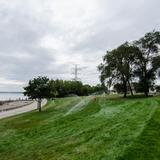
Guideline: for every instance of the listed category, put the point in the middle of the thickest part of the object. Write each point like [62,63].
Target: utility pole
[75,72]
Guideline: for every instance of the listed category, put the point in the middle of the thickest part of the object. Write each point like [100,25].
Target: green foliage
[118,65]
[37,88]
[125,129]
[42,87]
[148,60]
[118,87]
[64,88]
[137,61]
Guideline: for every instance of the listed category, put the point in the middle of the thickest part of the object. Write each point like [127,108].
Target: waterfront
[11,96]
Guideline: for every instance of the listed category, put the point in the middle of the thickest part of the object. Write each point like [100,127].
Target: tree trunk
[124,86]
[125,94]
[39,104]
[146,94]
[146,88]
[146,82]
[130,88]
[125,89]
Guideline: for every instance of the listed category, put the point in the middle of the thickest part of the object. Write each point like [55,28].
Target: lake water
[11,96]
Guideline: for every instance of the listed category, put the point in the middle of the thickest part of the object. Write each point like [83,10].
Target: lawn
[108,128]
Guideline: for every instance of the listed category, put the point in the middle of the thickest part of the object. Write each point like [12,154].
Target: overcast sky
[47,37]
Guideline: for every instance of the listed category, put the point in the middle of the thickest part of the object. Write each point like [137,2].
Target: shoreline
[13,104]
[24,109]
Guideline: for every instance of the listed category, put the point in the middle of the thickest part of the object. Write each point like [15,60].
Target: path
[24,109]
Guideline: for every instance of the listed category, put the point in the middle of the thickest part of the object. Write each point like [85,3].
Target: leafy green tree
[38,89]
[118,87]
[148,60]
[52,89]
[86,90]
[118,66]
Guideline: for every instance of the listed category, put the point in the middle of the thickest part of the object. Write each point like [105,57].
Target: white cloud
[47,37]
[10,82]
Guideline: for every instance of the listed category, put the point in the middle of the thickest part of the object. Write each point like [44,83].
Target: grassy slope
[119,130]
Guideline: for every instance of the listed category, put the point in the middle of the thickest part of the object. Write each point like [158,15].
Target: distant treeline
[43,87]
[62,88]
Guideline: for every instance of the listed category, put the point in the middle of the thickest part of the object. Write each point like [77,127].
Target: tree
[118,66]
[148,60]
[38,89]
[52,89]
[118,87]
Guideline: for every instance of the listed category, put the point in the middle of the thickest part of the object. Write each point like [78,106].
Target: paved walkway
[14,104]
[24,109]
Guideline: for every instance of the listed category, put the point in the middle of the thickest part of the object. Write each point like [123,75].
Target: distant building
[132,87]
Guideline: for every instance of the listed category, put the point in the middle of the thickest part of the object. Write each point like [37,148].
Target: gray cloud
[47,37]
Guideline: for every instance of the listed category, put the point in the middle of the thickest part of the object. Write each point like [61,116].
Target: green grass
[106,129]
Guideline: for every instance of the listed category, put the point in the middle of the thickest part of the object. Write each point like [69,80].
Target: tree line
[63,88]
[132,63]
[42,87]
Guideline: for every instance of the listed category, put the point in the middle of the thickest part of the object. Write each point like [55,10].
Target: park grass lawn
[105,129]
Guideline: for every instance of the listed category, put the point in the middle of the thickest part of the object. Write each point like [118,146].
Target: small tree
[38,89]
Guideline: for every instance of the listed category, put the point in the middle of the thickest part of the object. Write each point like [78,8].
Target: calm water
[11,96]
